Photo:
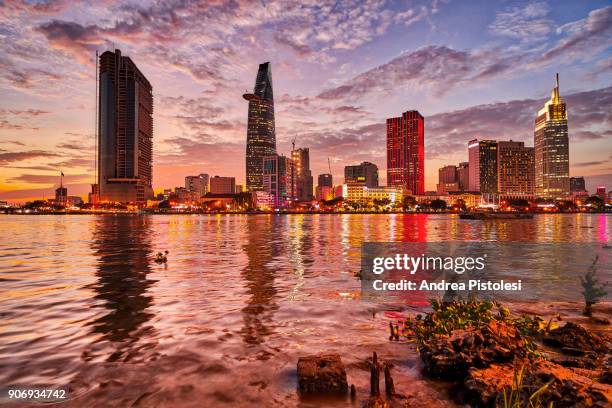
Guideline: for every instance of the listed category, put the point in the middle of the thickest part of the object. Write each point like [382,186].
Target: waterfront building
[406,152]
[515,170]
[364,174]
[364,194]
[551,143]
[577,184]
[261,135]
[182,195]
[197,185]
[277,179]
[302,175]
[483,166]
[72,201]
[469,199]
[262,200]
[447,179]
[463,176]
[325,193]
[601,193]
[125,132]
[222,185]
[61,195]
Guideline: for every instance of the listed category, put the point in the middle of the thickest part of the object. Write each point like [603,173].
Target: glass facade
[406,152]
[125,132]
[261,136]
[551,143]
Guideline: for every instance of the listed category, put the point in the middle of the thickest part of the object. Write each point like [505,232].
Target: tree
[409,202]
[593,290]
[460,204]
[438,204]
[595,202]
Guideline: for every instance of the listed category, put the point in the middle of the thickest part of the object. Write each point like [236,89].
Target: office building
[551,145]
[125,133]
[61,196]
[302,175]
[515,170]
[601,193]
[277,179]
[325,180]
[197,185]
[261,136]
[447,179]
[406,152]
[222,185]
[463,176]
[577,184]
[364,174]
[482,166]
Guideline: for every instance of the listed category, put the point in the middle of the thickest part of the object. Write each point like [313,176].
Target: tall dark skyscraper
[406,152]
[261,136]
[551,145]
[125,131]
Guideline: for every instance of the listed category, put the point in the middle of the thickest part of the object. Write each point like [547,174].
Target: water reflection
[123,248]
[262,246]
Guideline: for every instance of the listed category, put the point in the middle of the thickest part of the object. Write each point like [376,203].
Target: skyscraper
[364,174]
[325,180]
[406,152]
[482,166]
[551,145]
[515,170]
[125,132]
[302,174]
[277,176]
[261,136]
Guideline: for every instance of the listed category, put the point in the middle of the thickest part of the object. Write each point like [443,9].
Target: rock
[566,387]
[452,356]
[484,385]
[375,402]
[606,377]
[576,340]
[322,373]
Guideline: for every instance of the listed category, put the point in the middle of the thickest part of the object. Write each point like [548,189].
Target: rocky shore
[483,354]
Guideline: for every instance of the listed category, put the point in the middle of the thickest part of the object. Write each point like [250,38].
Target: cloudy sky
[473,69]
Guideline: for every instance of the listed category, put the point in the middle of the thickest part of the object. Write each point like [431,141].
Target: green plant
[515,397]
[445,317]
[593,290]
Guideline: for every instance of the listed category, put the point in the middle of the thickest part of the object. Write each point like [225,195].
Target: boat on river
[482,215]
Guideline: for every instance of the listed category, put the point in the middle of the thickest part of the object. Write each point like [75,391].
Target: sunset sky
[473,69]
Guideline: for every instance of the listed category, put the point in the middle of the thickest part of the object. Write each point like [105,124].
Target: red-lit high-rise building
[406,152]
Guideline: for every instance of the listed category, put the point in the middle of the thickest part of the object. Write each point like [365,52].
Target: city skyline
[336,88]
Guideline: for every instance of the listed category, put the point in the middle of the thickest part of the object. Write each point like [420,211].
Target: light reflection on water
[241,298]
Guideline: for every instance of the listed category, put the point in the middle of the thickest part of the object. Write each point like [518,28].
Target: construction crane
[329,165]
[293,144]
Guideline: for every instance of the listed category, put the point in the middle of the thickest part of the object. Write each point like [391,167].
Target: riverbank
[115,212]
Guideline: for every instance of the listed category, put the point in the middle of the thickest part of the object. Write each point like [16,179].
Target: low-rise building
[360,193]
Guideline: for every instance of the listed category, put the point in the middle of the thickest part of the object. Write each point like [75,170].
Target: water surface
[224,321]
